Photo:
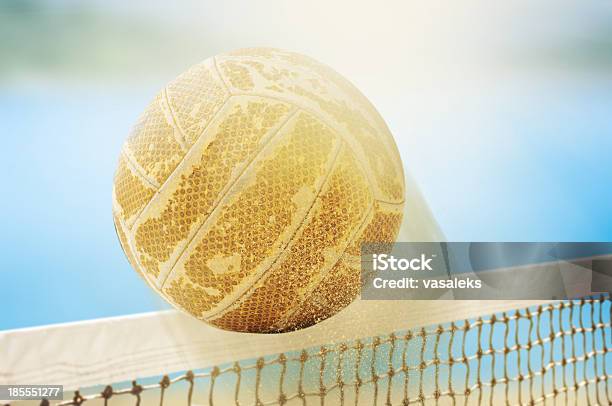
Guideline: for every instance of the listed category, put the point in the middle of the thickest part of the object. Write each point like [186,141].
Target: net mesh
[559,353]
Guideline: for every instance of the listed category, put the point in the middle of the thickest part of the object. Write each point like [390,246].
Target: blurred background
[502,112]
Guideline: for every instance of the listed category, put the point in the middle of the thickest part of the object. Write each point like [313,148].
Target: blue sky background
[508,131]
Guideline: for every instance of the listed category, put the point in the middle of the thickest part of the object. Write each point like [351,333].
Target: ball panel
[152,142]
[212,165]
[325,301]
[257,218]
[384,226]
[317,88]
[237,76]
[194,98]
[130,191]
[388,178]
[341,206]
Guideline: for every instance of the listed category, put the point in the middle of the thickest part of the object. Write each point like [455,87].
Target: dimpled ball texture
[246,188]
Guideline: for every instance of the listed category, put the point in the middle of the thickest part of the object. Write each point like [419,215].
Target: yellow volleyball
[246,188]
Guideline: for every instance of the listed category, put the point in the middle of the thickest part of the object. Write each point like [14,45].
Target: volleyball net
[554,353]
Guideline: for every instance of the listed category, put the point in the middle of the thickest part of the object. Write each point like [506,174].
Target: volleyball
[246,188]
